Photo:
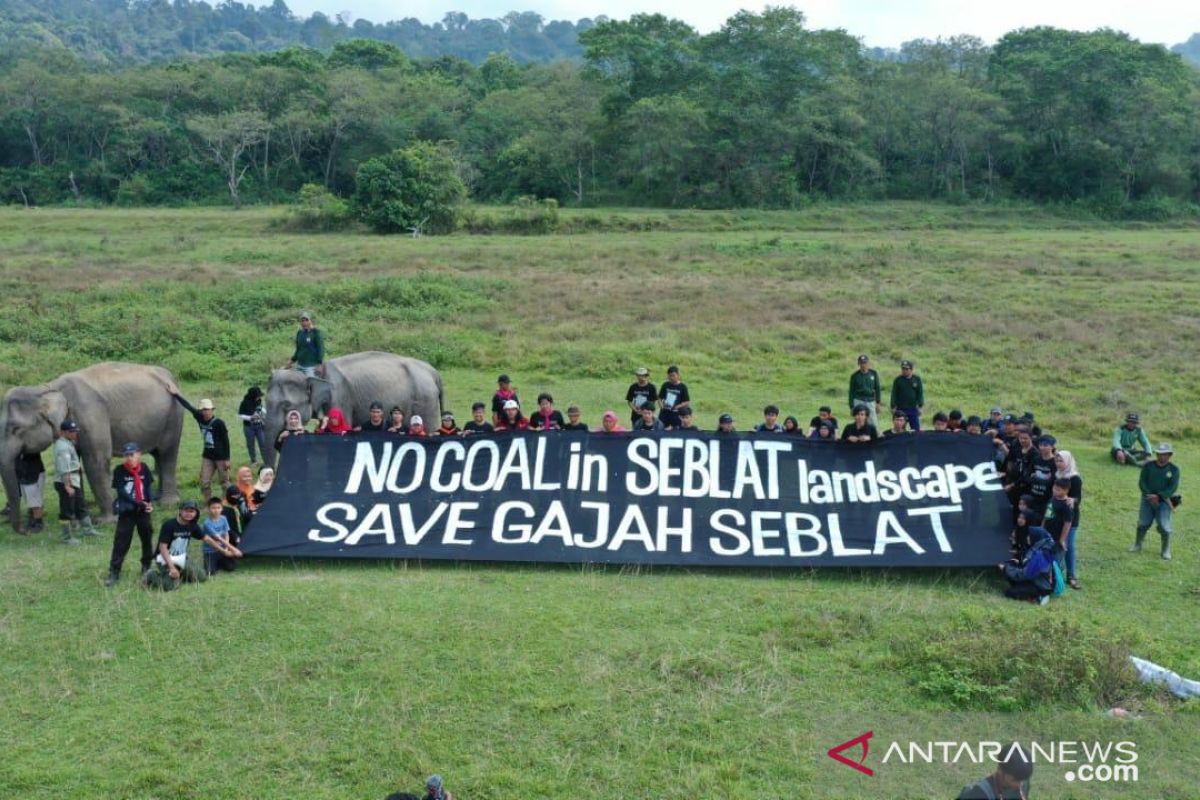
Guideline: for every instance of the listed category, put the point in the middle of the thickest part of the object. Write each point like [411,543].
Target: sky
[878,23]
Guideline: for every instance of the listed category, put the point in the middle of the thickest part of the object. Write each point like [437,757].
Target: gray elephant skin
[113,403]
[352,383]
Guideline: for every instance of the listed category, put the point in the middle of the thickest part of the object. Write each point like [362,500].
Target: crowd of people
[1041,481]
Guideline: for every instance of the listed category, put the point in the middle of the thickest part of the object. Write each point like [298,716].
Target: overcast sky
[878,22]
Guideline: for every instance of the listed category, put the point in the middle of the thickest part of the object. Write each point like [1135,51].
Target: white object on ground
[1150,672]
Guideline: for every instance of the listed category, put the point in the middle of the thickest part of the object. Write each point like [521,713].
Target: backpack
[1060,585]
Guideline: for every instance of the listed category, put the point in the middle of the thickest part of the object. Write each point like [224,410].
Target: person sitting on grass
[647,421]
[610,423]
[172,565]
[573,423]
[511,419]
[770,423]
[396,424]
[546,418]
[861,431]
[1130,444]
[504,393]
[448,426]
[1010,781]
[477,424]
[1031,578]
[216,529]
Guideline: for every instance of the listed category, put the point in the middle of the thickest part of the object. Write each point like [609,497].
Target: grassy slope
[340,680]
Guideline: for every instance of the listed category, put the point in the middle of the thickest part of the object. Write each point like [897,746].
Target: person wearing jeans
[253,414]
[1159,485]
[1065,464]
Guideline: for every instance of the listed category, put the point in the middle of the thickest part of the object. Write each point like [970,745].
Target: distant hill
[1190,49]
[121,32]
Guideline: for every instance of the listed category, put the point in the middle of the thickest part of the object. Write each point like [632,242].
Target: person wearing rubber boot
[72,508]
[1159,486]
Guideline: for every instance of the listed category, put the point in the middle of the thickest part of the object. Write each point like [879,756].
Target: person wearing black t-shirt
[172,565]
[725,424]
[899,425]
[770,423]
[375,421]
[573,423]
[641,393]
[1018,465]
[672,395]
[687,420]
[396,422]
[477,424]
[214,459]
[647,420]
[825,418]
[1060,518]
[546,418]
[1042,473]
[860,431]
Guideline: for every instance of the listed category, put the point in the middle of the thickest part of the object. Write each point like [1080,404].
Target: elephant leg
[166,459]
[95,456]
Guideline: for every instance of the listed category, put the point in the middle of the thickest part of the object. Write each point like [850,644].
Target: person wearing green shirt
[908,395]
[1159,486]
[309,356]
[1130,444]
[865,391]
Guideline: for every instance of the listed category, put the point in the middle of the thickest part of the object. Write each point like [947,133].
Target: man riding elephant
[352,383]
[112,403]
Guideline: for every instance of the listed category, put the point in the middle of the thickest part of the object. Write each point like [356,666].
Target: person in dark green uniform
[1130,444]
[908,395]
[309,356]
[1159,485]
[865,391]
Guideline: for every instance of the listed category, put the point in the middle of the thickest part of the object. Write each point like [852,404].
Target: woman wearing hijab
[241,495]
[1064,463]
[293,427]
[266,479]
[610,423]
[253,414]
[335,423]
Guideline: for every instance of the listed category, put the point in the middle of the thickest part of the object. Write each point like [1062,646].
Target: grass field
[333,680]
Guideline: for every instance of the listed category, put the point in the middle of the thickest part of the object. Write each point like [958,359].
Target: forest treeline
[124,32]
[763,112]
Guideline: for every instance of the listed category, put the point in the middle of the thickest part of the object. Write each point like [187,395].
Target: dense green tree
[414,189]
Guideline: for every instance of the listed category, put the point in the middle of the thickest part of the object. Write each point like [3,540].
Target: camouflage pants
[159,577]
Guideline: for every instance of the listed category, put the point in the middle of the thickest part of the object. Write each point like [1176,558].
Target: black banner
[926,500]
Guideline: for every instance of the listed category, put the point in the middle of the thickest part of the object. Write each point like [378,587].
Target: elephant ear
[53,406]
[320,396]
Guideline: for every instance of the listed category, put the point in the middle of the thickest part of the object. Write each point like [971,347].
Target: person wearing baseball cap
[573,423]
[865,390]
[376,422]
[72,509]
[1159,486]
[725,424]
[908,395]
[133,483]
[215,435]
[309,355]
[512,419]
[1130,444]
[641,392]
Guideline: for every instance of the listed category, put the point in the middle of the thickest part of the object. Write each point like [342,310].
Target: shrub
[416,188]
[318,209]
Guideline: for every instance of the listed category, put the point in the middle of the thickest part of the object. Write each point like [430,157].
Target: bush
[416,188]
[318,209]
[528,217]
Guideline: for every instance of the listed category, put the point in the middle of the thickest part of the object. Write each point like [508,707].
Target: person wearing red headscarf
[335,423]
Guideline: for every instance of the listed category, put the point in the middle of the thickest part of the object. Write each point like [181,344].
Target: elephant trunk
[12,490]
[272,429]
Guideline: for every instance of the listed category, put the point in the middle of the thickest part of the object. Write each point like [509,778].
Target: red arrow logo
[836,752]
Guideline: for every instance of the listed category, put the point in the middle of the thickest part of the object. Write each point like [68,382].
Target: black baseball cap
[725,418]
[1132,417]
[906,365]
[503,379]
[863,359]
[68,426]
[376,406]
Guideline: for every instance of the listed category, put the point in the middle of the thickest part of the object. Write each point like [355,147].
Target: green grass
[330,680]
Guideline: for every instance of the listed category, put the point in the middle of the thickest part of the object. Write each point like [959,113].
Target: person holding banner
[477,424]
[396,424]
[647,421]
[725,424]
[294,427]
[416,427]
[824,417]
[511,419]
[573,423]
[900,421]
[861,431]
[448,426]
[770,423]
[546,418]
[335,423]
[687,421]
[609,423]
[791,426]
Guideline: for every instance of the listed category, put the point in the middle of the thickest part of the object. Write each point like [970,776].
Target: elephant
[113,403]
[351,383]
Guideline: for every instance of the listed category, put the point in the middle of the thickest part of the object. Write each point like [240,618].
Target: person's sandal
[1074,583]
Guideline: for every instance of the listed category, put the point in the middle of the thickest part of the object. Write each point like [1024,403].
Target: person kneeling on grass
[216,528]
[171,565]
[1130,444]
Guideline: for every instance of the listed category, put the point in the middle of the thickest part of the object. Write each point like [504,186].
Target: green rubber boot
[89,528]
[1136,547]
[65,537]
[1166,546]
